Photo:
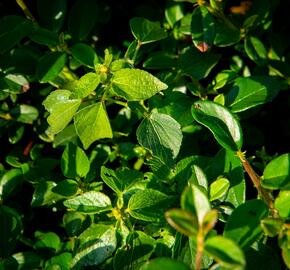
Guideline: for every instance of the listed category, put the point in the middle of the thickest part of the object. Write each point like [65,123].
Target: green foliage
[106,121]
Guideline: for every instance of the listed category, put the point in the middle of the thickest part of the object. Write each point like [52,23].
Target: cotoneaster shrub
[144,135]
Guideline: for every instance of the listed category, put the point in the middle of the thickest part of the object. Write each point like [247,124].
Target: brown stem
[199,249]
[25,9]
[256,180]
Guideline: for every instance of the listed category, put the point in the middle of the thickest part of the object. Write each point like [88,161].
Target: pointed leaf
[146,31]
[92,123]
[89,202]
[219,188]
[61,109]
[136,84]
[219,120]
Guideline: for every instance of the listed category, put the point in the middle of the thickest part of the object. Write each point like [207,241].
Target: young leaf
[61,109]
[74,162]
[85,54]
[182,221]
[243,226]
[249,92]
[277,173]
[136,84]
[89,202]
[146,31]
[202,27]
[50,65]
[149,205]
[92,123]
[84,86]
[164,263]
[97,243]
[219,188]
[161,134]
[282,204]
[226,252]
[224,126]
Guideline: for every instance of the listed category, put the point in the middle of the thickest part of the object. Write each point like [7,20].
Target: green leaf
[219,188]
[248,92]
[198,177]
[24,113]
[22,260]
[97,243]
[173,13]
[138,248]
[225,35]
[160,60]
[202,27]
[75,222]
[226,252]
[62,261]
[194,199]
[203,62]
[49,241]
[10,183]
[148,205]
[92,123]
[136,84]
[164,263]
[272,226]
[146,31]
[82,18]
[45,37]
[224,126]
[66,188]
[120,180]
[52,13]
[12,30]
[89,202]
[277,173]
[84,86]
[183,221]
[67,135]
[256,50]
[243,226]
[10,227]
[50,65]
[282,203]
[85,54]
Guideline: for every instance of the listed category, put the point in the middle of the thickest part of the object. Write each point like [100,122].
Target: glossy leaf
[46,241]
[50,65]
[202,27]
[85,54]
[282,203]
[248,92]
[89,202]
[161,134]
[277,173]
[226,252]
[84,86]
[243,226]
[24,113]
[182,221]
[62,260]
[224,126]
[66,188]
[173,13]
[148,205]
[92,123]
[164,263]
[22,260]
[10,182]
[136,84]
[45,37]
[146,31]
[256,50]
[97,243]
[219,188]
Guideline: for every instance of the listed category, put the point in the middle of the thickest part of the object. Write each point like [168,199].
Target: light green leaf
[74,162]
[183,221]
[164,263]
[61,109]
[282,204]
[89,202]
[50,65]
[256,50]
[219,188]
[24,113]
[146,31]
[219,120]
[198,177]
[97,243]
[136,84]
[173,13]
[161,134]
[92,123]
[226,252]
[248,92]
[48,241]
[85,54]
[277,173]
[84,86]
[243,226]
[202,26]
[149,205]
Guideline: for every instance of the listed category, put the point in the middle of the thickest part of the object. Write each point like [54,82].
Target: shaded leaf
[164,263]
[85,54]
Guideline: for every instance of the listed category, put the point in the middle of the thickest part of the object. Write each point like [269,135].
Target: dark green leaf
[89,202]
[256,50]
[75,222]
[92,123]
[164,263]
[85,54]
[67,135]
[146,31]
[224,126]
[277,173]
[10,182]
[22,260]
[243,226]
[160,60]
[45,37]
[225,35]
[66,188]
